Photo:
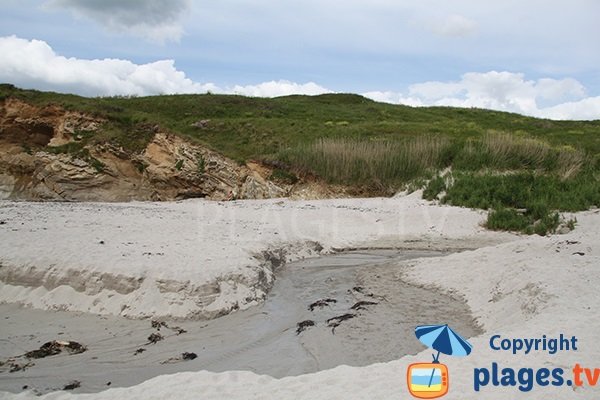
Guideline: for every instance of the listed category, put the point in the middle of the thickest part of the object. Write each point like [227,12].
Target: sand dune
[198,259]
[516,286]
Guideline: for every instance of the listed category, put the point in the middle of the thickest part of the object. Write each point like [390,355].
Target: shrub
[283,176]
[524,202]
[200,164]
[26,148]
[507,219]
[77,151]
[523,190]
[140,165]
[73,148]
[434,187]
[537,210]
[98,165]
[547,224]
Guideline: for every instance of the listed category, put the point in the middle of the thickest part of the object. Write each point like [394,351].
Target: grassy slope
[251,128]
[245,128]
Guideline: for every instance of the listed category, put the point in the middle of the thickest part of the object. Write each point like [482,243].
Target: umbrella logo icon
[431,380]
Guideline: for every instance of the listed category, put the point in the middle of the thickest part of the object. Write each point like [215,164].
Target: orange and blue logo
[432,380]
[427,380]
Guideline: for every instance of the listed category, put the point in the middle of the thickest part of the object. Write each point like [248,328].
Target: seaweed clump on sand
[55,347]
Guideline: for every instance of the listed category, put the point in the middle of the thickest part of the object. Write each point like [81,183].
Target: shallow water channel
[263,339]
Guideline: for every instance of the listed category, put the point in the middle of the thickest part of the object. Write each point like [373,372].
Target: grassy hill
[522,167]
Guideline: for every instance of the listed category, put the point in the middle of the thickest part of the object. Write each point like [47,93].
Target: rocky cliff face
[33,168]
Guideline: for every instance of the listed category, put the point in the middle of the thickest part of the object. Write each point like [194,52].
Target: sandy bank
[199,259]
[244,340]
[516,286]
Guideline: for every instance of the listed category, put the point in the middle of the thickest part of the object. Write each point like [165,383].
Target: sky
[539,58]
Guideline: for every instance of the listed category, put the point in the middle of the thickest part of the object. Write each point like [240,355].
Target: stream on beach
[264,339]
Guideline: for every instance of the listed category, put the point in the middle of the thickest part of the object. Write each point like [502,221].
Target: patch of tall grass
[524,190]
[524,182]
[526,201]
[391,162]
[356,161]
[509,219]
[502,151]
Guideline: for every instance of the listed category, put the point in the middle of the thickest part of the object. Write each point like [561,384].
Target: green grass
[200,164]
[523,169]
[77,150]
[507,219]
[434,188]
[245,128]
[526,201]
[506,152]
[523,190]
[363,162]
[283,176]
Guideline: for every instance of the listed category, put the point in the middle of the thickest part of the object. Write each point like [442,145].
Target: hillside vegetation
[524,169]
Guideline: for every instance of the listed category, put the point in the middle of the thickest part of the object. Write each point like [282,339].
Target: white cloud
[552,89]
[504,91]
[394,98]
[156,20]
[585,109]
[279,88]
[435,90]
[454,25]
[33,64]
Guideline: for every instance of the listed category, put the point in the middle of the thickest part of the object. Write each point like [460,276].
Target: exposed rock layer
[169,167]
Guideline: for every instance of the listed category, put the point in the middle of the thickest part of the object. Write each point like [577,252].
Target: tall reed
[347,161]
[500,151]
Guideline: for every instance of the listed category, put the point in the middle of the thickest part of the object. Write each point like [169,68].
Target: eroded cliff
[46,154]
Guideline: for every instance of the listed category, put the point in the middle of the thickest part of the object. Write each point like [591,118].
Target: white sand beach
[196,260]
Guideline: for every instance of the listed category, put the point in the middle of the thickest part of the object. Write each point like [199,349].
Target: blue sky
[533,57]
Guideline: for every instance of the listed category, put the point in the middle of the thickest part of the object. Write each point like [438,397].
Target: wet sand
[262,339]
